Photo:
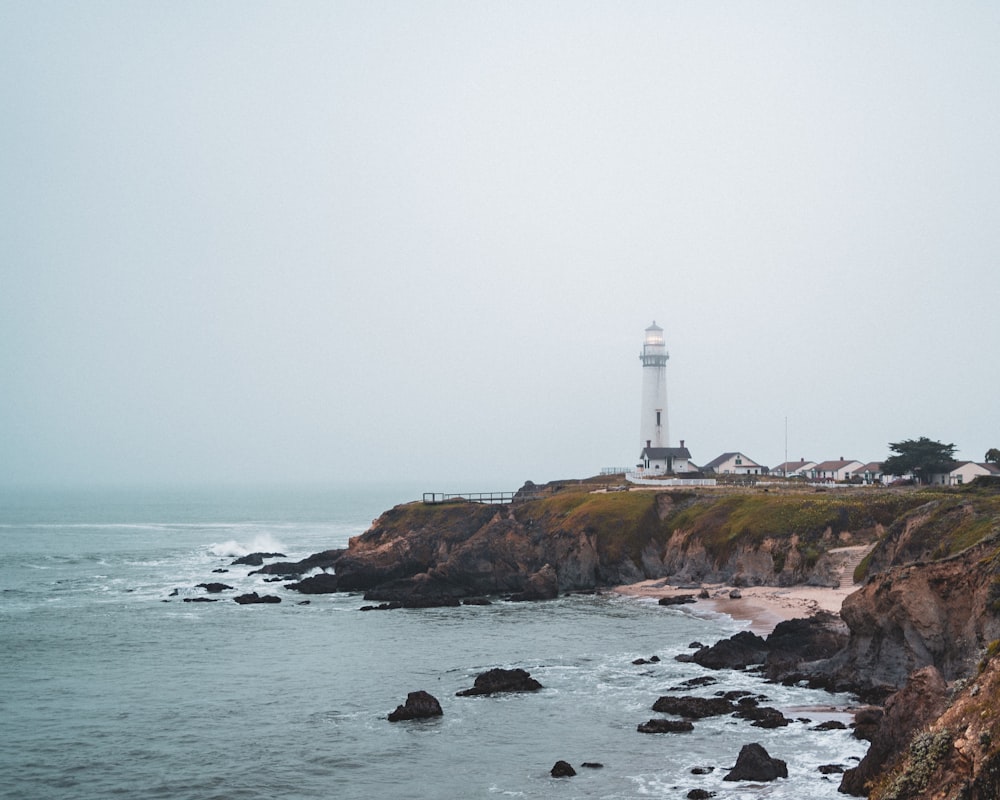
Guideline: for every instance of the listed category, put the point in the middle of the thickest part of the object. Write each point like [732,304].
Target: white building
[842,469]
[733,464]
[653,429]
[963,472]
[793,469]
[665,461]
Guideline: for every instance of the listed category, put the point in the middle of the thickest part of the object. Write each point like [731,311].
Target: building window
[657,419]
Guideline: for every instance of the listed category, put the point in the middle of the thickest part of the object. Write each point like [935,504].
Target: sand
[762,607]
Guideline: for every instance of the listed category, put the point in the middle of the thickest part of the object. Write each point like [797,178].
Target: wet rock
[736,652]
[253,597]
[418,705]
[830,725]
[501,680]
[592,765]
[694,707]
[735,594]
[755,764]
[201,599]
[214,588]
[220,570]
[702,770]
[700,794]
[324,560]
[831,769]
[322,583]
[665,726]
[562,769]
[677,600]
[255,559]
[382,606]
[866,722]
[477,601]
[763,716]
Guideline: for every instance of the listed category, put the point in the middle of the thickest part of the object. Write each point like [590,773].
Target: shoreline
[762,607]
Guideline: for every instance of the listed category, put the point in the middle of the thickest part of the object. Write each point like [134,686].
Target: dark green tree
[993,455]
[923,457]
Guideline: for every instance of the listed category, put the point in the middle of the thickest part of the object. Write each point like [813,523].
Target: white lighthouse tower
[653,431]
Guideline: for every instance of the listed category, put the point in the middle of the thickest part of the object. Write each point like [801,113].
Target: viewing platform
[486,498]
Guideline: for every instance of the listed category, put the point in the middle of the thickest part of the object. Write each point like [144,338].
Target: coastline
[762,607]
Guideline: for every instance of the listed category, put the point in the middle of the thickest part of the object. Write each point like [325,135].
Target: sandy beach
[762,607]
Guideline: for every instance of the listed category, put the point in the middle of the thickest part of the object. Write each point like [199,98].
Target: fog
[287,242]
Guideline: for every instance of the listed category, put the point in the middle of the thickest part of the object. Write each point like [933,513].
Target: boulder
[201,599]
[562,769]
[253,597]
[418,705]
[324,560]
[501,680]
[694,707]
[700,794]
[736,652]
[665,726]
[754,764]
[213,588]
[762,716]
[322,583]
[677,600]
[830,725]
[255,559]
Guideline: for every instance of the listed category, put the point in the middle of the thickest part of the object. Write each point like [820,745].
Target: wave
[261,543]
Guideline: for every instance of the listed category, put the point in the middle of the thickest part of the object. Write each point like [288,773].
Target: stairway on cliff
[852,556]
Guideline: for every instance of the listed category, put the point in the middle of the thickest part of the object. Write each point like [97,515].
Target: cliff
[592,539]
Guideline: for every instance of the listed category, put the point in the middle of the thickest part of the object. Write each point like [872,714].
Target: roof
[789,466]
[834,465]
[726,456]
[654,327]
[663,453]
[873,466]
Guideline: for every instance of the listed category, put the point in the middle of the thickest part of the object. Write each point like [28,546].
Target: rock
[735,594]
[763,716]
[592,765]
[866,722]
[923,698]
[694,707]
[477,601]
[382,607]
[830,725]
[418,705]
[322,583]
[703,594]
[255,559]
[325,560]
[201,599]
[702,770]
[253,597]
[501,680]
[831,769]
[665,726]
[736,652]
[677,600]
[754,764]
[542,585]
[213,588]
[220,570]
[562,769]
[700,794]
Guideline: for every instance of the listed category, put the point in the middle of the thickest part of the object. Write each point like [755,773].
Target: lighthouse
[653,431]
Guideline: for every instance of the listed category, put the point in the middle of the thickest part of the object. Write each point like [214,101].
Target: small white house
[665,460]
[734,464]
[839,470]
[963,472]
[793,469]
[870,473]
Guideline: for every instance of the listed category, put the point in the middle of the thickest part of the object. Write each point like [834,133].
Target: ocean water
[111,687]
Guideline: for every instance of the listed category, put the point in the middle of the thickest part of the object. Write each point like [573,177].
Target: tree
[923,457]
[993,455]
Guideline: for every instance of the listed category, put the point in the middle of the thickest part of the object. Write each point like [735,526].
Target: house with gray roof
[666,461]
[733,464]
[793,469]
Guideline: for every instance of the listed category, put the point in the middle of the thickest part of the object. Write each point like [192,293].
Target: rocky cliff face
[591,540]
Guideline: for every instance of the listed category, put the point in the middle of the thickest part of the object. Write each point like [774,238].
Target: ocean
[112,686]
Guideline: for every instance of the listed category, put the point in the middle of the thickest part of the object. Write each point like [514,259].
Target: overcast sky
[296,241]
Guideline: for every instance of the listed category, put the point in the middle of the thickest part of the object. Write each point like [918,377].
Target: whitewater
[112,685]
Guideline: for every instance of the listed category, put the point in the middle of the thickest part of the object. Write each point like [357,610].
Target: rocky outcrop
[499,680]
[255,559]
[562,769]
[324,560]
[464,549]
[321,583]
[937,614]
[253,597]
[418,705]
[755,764]
[922,699]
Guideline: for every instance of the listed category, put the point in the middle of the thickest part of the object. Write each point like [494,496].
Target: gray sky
[297,241]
